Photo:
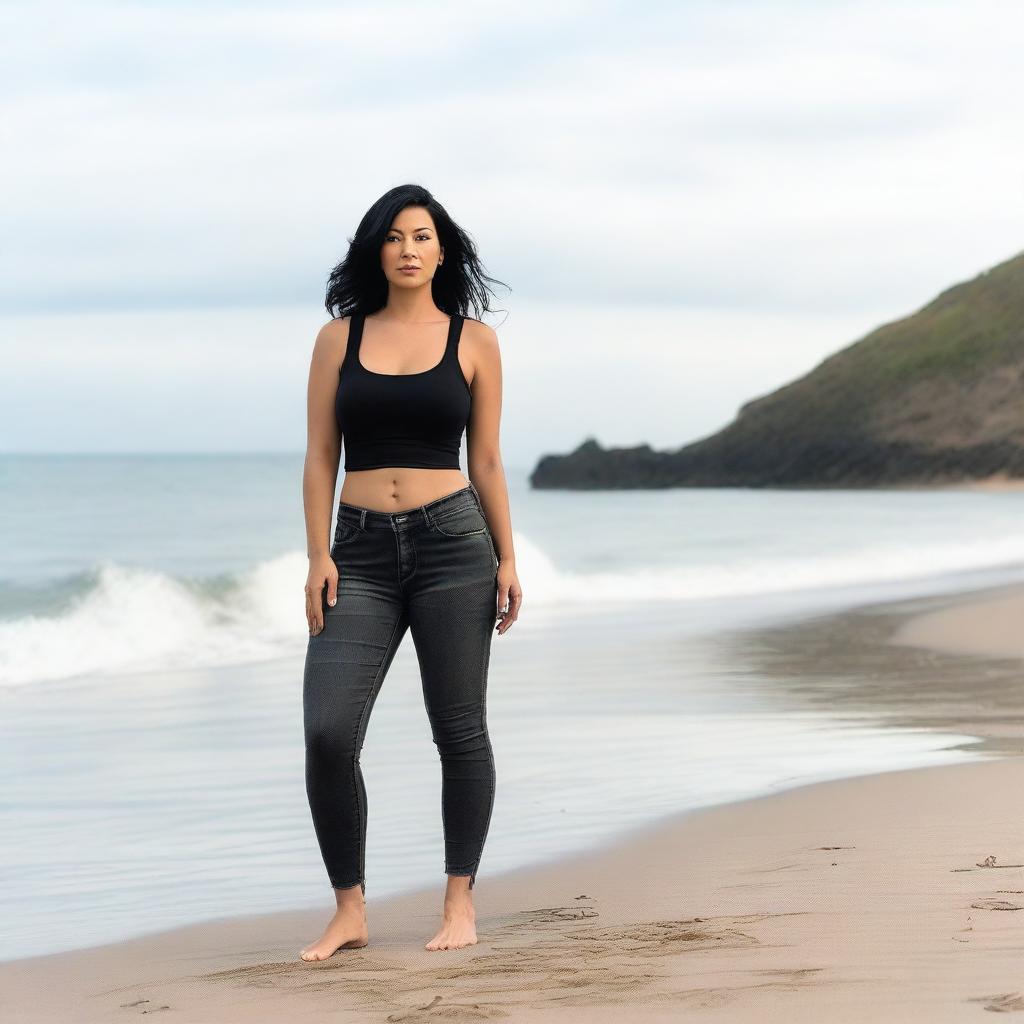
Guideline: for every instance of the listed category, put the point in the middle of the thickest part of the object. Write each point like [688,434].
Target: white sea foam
[137,619]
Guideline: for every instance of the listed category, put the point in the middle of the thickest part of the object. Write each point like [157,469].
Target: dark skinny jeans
[431,569]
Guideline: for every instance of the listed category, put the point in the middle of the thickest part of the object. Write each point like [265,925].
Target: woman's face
[412,241]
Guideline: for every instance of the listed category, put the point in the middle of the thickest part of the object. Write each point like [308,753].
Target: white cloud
[166,152]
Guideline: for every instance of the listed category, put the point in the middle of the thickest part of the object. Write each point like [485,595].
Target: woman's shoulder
[479,332]
[332,340]
[338,329]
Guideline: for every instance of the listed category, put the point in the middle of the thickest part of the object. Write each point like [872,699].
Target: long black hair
[358,284]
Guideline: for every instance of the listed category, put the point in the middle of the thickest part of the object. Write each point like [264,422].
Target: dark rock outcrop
[937,397]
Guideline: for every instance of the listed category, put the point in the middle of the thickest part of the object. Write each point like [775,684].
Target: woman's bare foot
[458,922]
[346,930]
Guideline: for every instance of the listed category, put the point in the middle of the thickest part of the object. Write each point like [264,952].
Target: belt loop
[426,515]
[477,493]
[362,519]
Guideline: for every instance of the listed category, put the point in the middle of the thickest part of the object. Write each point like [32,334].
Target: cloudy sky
[692,202]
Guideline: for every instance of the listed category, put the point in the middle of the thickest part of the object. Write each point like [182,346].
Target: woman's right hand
[322,572]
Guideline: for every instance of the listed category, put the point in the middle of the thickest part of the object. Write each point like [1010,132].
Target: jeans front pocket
[463,522]
[345,533]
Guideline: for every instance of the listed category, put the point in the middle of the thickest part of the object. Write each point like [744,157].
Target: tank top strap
[355,336]
[451,349]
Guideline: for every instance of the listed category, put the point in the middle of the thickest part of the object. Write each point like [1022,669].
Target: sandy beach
[891,897]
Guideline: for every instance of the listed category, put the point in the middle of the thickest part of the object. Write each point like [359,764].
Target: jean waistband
[368,518]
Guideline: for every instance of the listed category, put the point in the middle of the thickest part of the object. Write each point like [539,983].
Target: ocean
[152,637]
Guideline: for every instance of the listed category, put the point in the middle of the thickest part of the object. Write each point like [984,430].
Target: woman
[399,374]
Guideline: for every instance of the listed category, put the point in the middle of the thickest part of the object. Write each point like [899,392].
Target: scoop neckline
[418,373]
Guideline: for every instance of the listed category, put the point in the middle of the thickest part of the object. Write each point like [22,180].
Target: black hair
[358,284]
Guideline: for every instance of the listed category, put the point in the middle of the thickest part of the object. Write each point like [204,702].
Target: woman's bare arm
[320,471]
[483,457]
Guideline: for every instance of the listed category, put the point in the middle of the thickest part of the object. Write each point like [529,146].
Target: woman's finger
[512,613]
[313,616]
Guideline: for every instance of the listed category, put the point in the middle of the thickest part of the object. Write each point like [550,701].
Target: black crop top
[402,419]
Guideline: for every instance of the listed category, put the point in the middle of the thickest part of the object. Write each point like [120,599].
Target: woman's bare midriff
[399,489]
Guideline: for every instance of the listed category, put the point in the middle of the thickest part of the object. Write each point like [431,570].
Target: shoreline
[885,896]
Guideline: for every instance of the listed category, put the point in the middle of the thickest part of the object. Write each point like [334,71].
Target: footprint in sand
[437,1007]
[552,915]
[1007,1002]
[143,1006]
[996,905]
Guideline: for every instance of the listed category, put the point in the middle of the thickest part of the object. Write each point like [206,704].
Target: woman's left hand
[510,596]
